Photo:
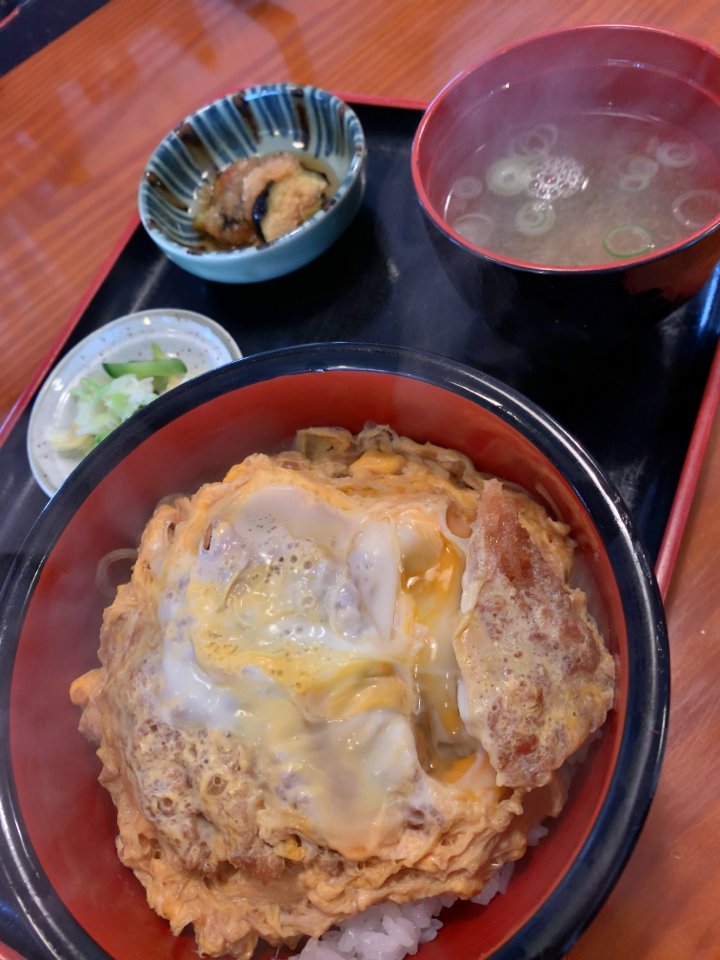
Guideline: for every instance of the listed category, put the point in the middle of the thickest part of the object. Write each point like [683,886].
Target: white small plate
[202,343]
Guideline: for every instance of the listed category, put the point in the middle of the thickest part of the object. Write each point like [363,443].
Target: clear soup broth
[583,190]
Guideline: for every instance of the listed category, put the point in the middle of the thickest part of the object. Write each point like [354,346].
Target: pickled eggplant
[258,199]
[285,204]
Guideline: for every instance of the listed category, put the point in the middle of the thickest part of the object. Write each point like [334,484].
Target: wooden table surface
[77,122]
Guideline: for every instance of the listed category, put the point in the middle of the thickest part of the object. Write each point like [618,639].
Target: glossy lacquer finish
[194,434]
[79,121]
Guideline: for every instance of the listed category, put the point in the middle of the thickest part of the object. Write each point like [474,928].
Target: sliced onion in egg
[533,219]
[628,240]
[466,188]
[696,208]
[476,228]
[508,176]
[107,585]
[676,154]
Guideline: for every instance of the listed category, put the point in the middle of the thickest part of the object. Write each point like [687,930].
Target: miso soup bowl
[623,70]
[57,847]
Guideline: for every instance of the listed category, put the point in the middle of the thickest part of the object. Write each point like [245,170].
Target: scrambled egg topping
[347,673]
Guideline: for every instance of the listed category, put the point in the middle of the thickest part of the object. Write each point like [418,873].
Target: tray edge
[682,502]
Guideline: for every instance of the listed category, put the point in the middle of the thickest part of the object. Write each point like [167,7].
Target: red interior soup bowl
[58,824]
[571,182]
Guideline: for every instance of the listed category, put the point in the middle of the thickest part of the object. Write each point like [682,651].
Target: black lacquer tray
[635,408]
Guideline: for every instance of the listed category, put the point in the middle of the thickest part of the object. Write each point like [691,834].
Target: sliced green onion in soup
[534,219]
[476,228]
[628,240]
[548,132]
[642,166]
[634,183]
[508,176]
[454,207]
[696,208]
[676,154]
[533,143]
[637,166]
[465,188]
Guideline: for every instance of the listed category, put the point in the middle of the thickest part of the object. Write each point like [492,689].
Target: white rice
[496,884]
[385,931]
[535,835]
[388,931]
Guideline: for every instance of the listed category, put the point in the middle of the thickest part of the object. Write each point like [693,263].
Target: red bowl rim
[429,115]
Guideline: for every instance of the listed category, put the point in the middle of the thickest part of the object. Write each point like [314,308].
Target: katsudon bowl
[570,182]
[322,131]
[59,826]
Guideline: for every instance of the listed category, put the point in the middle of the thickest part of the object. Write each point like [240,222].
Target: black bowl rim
[570,907]
[482,253]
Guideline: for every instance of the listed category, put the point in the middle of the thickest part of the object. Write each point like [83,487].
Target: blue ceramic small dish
[255,121]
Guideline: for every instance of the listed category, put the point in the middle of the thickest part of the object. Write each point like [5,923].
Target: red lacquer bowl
[598,70]
[59,826]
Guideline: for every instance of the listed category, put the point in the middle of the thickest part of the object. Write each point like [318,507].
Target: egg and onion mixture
[347,673]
